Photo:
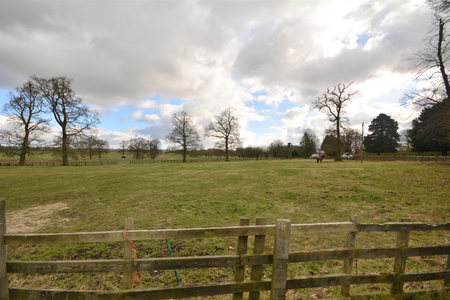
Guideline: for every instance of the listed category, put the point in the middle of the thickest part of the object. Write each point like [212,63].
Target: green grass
[217,194]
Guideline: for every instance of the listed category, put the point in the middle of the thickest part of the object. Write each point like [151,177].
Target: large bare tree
[429,66]
[431,130]
[225,128]
[183,134]
[25,108]
[334,101]
[67,108]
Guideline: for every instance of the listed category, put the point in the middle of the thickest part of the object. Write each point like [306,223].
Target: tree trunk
[65,152]
[338,129]
[184,152]
[23,150]
[441,60]
[226,150]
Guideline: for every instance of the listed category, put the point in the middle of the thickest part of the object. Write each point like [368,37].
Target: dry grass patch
[34,218]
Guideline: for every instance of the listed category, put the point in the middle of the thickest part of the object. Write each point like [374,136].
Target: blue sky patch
[362,39]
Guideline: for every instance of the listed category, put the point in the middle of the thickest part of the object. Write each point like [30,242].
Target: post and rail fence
[382,158]
[416,158]
[279,259]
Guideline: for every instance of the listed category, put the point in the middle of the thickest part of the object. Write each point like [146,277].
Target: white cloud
[116,137]
[295,115]
[140,117]
[137,115]
[151,119]
[147,104]
[3,122]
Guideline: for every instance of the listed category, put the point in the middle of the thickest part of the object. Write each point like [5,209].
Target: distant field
[49,156]
[96,198]
[49,159]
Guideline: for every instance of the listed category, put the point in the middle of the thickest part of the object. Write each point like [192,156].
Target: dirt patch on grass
[32,219]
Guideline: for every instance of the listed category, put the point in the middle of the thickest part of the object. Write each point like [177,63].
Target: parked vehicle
[347,155]
[314,155]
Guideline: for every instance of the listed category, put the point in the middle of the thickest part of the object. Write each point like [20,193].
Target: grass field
[97,198]
[110,156]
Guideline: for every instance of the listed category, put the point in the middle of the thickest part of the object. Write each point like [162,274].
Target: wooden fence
[59,163]
[279,259]
[423,158]
[122,162]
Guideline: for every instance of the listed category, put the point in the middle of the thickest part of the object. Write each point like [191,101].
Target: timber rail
[279,259]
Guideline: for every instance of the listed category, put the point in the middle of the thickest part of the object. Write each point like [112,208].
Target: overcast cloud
[138,62]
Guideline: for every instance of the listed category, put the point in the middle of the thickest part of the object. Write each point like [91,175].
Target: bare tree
[429,64]
[25,108]
[75,147]
[12,140]
[68,109]
[276,148]
[225,127]
[101,147]
[431,130]
[138,146]
[335,101]
[439,5]
[351,140]
[184,134]
[124,146]
[87,144]
[92,144]
[154,148]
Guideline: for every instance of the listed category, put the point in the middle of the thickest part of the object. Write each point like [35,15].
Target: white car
[347,155]
[314,155]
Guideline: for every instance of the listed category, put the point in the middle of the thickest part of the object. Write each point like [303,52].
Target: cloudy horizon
[138,62]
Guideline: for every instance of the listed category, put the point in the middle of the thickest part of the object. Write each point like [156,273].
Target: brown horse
[319,159]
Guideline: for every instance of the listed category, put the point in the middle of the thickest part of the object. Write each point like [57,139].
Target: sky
[137,62]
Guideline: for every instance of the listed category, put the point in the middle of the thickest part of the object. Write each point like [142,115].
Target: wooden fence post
[257,271]
[280,259]
[348,263]
[128,255]
[241,248]
[447,281]
[400,262]
[4,293]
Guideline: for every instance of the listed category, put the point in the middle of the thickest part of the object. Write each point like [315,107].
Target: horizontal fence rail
[224,261]
[142,235]
[422,158]
[279,260]
[229,287]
